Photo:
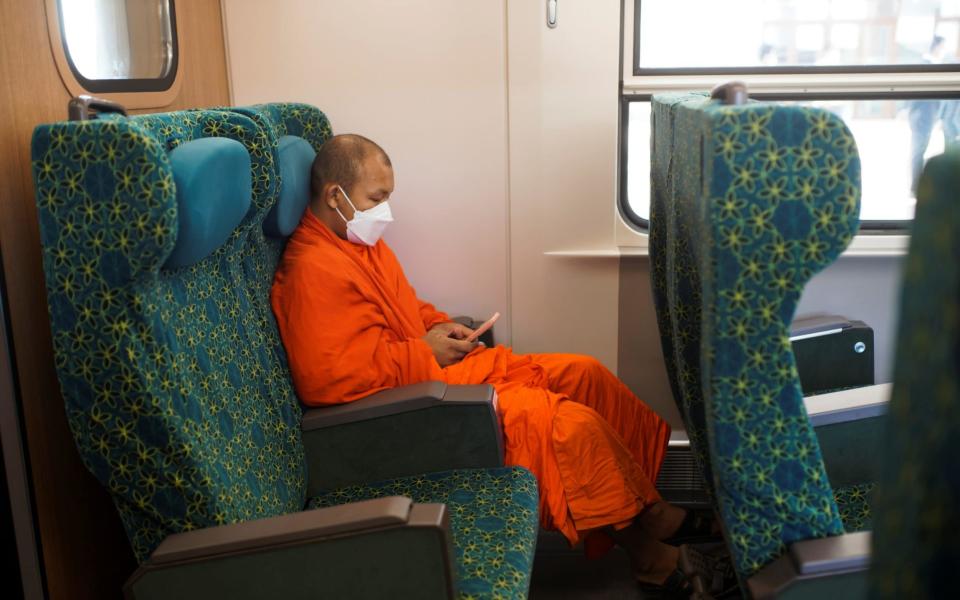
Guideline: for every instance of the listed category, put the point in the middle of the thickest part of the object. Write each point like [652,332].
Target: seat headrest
[295,157]
[213,182]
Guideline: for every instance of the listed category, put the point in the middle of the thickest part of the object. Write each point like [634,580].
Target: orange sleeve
[428,312]
[338,344]
[430,315]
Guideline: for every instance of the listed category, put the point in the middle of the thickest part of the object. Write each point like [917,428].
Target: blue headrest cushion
[295,156]
[213,181]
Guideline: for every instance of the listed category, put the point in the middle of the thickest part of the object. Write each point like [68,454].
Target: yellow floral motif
[175,381]
[729,230]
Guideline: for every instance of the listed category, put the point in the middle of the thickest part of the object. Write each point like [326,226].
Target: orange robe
[352,325]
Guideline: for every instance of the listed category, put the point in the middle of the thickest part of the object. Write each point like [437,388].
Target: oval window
[120,45]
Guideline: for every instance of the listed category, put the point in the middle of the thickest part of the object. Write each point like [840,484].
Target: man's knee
[588,366]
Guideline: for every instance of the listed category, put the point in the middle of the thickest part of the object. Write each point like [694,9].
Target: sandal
[692,579]
[697,526]
[678,586]
[715,573]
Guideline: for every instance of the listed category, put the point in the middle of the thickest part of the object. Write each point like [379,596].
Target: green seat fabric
[277,120]
[175,379]
[854,502]
[749,202]
[916,546]
[173,390]
[493,517]
[675,282]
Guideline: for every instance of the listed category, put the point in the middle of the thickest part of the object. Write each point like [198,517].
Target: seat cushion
[854,504]
[493,520]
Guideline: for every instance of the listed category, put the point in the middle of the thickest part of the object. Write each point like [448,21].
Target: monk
[352,325]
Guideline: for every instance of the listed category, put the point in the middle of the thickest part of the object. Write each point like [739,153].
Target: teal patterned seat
[854,503]
[748,203]
[173,374]
[916,549]
[493,512]
[171,386]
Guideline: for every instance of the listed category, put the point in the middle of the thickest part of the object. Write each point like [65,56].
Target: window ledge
[594,253]
[863,245]
[878,244]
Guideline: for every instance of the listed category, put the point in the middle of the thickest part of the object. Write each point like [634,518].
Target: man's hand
[453,329]
[446,349]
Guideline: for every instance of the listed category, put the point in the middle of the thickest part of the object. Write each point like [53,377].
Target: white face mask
[366,226]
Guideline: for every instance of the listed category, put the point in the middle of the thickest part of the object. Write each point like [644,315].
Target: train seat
[748,203]
[176,388]
[915,545]
[383,448]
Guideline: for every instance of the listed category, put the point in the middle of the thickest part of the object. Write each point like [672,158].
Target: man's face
[374,185]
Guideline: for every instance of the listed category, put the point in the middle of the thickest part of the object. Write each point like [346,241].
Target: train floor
[564,573]
[561,572]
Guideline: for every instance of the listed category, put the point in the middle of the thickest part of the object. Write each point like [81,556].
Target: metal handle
[732,92]
[552,14]
[83,108]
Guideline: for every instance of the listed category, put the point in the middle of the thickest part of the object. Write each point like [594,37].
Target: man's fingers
[460,332]
[463,345]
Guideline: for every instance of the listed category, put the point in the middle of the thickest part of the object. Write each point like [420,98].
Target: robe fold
[352,325]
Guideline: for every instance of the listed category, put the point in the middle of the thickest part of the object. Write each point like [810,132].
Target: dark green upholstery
[916,543]
[277,120]
[854,503]
[172,387]
[175,380]
[675,280]
[749,202]
[493,517]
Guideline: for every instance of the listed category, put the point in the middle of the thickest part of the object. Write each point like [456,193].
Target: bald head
[340,161]
[350,173]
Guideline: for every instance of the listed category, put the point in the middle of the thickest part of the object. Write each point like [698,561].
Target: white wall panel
[426,79]
[563,149]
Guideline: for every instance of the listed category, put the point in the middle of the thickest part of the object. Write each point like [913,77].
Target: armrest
[835,566]
[388,547]
[420,428]
[848,405]
[850,426]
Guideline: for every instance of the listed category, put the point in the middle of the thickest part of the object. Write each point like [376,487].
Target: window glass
[796,33]
[894,137]
[118,39]
[638,159]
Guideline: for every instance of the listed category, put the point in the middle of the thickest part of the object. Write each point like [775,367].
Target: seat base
[493,520]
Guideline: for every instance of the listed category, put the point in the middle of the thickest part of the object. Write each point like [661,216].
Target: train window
[894,137]
[799,35]
[636,155]
[891,70]
[120,45]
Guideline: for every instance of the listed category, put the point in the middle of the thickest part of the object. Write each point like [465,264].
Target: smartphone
[480,330]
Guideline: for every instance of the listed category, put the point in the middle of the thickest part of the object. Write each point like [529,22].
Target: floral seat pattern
[752,200]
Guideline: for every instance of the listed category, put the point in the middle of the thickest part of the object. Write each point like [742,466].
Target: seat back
[749,202]
[293,134]
[674,277]
[915,545]
[173,387]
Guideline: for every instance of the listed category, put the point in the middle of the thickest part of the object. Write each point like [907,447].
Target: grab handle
[732,92]
[82,108]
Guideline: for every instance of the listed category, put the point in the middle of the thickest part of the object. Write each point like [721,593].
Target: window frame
[132,93]
[775,84]
[778,70]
